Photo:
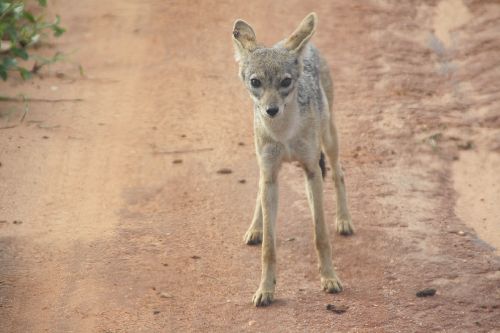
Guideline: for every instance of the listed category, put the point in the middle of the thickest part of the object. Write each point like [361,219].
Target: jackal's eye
[286,82]
[255,83]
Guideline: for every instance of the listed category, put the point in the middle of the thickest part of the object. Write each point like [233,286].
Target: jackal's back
[315,80]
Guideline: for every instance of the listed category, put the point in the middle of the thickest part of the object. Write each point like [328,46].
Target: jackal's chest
[299,150]
[299,147]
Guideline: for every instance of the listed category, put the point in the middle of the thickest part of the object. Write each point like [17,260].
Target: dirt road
[124,225]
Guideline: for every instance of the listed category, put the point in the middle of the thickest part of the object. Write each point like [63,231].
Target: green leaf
[43,3]
[58,31]
[4,6]
[12,33]
[9,63]
[2,28]
[29,17]
[18,10]
[3,72]
[25,74]
[21,53]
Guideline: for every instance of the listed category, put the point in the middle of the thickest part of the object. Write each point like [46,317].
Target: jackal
[292,91]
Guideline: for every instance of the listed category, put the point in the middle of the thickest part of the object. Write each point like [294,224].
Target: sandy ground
[100,231]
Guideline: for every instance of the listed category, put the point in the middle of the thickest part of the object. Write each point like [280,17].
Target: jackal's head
[271,74]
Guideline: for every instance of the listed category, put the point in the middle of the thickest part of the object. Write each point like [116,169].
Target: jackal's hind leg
[314,185]
[343,221]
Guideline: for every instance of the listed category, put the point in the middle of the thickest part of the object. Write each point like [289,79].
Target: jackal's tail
[322,165]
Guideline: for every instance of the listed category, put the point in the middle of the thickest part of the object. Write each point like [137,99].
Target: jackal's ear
[299,38]
[243,39]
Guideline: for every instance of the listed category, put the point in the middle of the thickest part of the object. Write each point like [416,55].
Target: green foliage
[21,28]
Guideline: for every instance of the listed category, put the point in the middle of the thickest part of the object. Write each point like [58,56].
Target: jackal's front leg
[329,280]
[269,201]
[254,233]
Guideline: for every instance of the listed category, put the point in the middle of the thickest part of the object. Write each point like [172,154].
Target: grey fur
[309,82]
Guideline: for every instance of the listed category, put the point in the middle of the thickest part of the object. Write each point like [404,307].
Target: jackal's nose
[272,111]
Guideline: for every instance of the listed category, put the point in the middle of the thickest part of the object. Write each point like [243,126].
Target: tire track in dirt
[69,209]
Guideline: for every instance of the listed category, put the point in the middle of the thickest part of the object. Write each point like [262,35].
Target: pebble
[165,295]
[338,309]
[426,292]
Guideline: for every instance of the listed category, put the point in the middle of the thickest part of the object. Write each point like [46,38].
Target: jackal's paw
[253,237]
[262,298]
[344,225]
[331,284]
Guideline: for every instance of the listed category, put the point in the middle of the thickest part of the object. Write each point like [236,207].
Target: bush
[21,28]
